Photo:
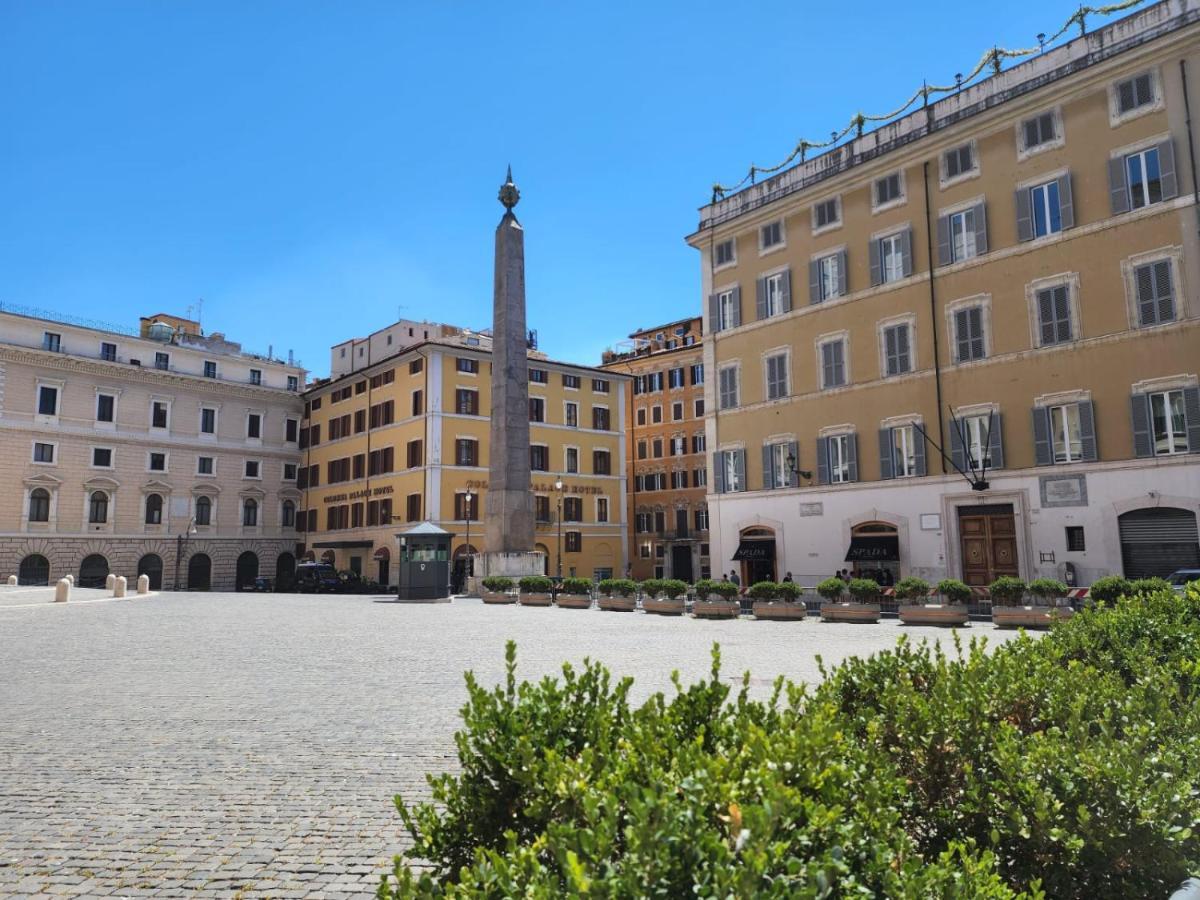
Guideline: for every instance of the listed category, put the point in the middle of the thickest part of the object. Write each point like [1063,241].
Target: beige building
[136,452]
[966,344]
[405,440]
[665,448]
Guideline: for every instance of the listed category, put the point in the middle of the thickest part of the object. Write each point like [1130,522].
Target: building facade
[160,451]
[966,344]
[405,440]
[666,450]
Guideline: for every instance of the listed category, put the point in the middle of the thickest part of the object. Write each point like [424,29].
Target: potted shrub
[574,593]
[1109,589]
[1009,609]
[704,589]
[863,605]
[664,596]
[915,608]
[618,594]
[1149,586]
[777,601]
[954,591]
[498,589]
[1007,591]
[535,590]
[716,600]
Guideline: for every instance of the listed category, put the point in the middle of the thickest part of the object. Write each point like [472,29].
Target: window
[539,376]
[416,453]
[840,450]
[728,383]
[290,429]
[412,506]
[978,432]
[571,414]
[677,446]
[657,446]
[52,342]
[573,542]
[699,407]
[958,161]
[600,385]
[537,409]
[467,365]
[465,508]
[1168,421]
[539,458]
[418,403]
[907,456]
[773,298]
[43,453]
[777,473]
[105,407]
[47,400]
[1039,130]
[968,334]
[572,459]
[208,421]
[249,512]
[675,378]
[833,364]
[293,383]
[381,414]
[289,471]
[826,214]
[210,369]
[541,508]
[102,457]
[697,373]
[1066,439]
[1155,293]
[641,416]
[108,352]
[728,310]
[770,236]
[656,415]
[39,505]
[679,479]
[896,350]
[601,462]
[701,479]
[1045,209]
[1134,93]
[892,258]
[256,376]
[251,468]
[699,442]
[962,235]
[1054,315]
[466,452]
[204,465]
[777,376]
[154,509]
[379,462]
[729,467]
[163,361]
[701,518]
[415,367]
[157,462]
[98,508]
[1144,178]
[287,513]
[203,511]
[641,449]
[572,508]
[601,509]
[1075,539]
[725,253]
[570,382]
[888,189]
[466,402]
[830,278]
[254,425]
[677,412]
[359,463]
[360,423]
[600,419]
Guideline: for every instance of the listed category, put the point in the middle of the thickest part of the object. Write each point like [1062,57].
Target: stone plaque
[812,509]
[1063,490]
[931,521]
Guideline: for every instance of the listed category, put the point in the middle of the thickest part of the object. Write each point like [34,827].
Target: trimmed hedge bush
[1149,585]
[498,584]
[674,587]
[618,587]
[725,589]
[1007,591]
[864,590]
[651,587]
[576,586]
[789,591]
[1108,589]
[954,591]
[832,588]
[912,589]
[1061,766]
[1047,588]
[535,584]
[763,590]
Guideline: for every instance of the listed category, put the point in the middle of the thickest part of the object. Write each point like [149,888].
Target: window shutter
[1087,431]
[943,241]
[876,269]
[714,314]
[794,453]
[1066,206]
[1191,417]
[890,360]
[1118,190]
[1166,170]
[822,460]
[958,454]
[903,363]
[1164,290]
[842,273]
[718,474]
[785,290]
[739,467]
[852,456]
[996,443]
[1024,216]
[737,305]
[761,301]
[814,281]
[962,334]
[1142,444]
[918,451]
[1045,302]
[980,217]
[906,251]
[1042,453]
[886,467]
[768,473]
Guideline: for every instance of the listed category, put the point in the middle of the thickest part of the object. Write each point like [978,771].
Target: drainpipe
[933,317]
[1187,109]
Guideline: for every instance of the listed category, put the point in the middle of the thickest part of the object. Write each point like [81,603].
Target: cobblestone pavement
[217,745]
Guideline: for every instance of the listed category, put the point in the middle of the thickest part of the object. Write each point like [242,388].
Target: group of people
[882,577]
[734,579]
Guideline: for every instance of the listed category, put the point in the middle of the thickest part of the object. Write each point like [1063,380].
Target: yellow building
[405,440]
[1002,283]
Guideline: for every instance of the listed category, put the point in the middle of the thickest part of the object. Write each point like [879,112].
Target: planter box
[716,609]
[850,612]
[934,614]
[662,607]
[1029,616]
[535,599]
[618,604]
[574,601]
[779,611]
[491,597]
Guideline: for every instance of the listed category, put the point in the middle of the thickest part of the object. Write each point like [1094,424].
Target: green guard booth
[424,563]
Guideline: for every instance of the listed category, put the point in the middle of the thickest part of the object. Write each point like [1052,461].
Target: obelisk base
[508,565]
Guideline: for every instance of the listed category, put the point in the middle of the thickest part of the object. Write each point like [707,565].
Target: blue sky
[312,170]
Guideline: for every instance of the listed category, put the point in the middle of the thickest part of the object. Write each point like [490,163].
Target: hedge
[1060,766]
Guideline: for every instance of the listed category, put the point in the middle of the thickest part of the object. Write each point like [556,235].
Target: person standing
[733,577]
[787,579]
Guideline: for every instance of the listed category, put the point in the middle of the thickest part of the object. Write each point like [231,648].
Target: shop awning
[751,550]
[874,548]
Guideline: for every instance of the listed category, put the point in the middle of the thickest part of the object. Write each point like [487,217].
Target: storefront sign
[358,495]
[1063,490]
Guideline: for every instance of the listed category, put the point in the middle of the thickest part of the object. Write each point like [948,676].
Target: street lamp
[469,568]
[558,486]
[181,546]
[801,473]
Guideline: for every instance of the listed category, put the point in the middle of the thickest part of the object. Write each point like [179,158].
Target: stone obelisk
[508,515]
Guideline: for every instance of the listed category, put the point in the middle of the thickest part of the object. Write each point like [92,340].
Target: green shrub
[1047,588]
[1109,589]
[575,586]
[764,590]
[831,589]
[674,587]
[651,587]
[864,590]
[703,588]
[954,591]
[535,584]
[912,589]
[726,590]
[1007,591]
[618,587]
[498,584]
[1149,585]
[788,590]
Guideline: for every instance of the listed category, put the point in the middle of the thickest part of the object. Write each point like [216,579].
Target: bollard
[119,586]
[143,584]
[12,579]
[110,582]
[62,591]
[70,578]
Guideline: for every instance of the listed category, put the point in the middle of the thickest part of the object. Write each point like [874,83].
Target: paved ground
[248,745]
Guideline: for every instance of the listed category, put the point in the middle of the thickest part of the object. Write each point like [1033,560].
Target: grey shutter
[1166,170]
[918,451]
[943,240]
[814,281]
[876,269]
[852,456]
[737,305]
[785,289]
[980,216]
[1191,418]
[739,468]
[1043,454]
[1066,205]
[996,443]
[842,273]
[714,313]
[822,460]
[958,454]
[906,251]
[1087,431]
[1024,216]
[718,474]
[768,474]
[794,453]
[962,335]
[886,463]
[1142,443]
[761,298]
[1118,189]
[903,358]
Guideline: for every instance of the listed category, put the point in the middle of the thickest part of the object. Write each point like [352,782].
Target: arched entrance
[34,569]
[247,571]
[285,572]
[875,552]
[383,559]
[1158,541]
[151,565]
[545,551]
[199,573]
[756,553]
[93,571]
[460,567]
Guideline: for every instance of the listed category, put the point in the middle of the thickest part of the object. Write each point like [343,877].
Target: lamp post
[181,546]
[469,567]
[800,473]
[558,486]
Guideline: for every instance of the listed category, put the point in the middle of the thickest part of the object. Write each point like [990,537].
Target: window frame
[901,197]
[1059,139]
[831,224]
[842,338]
[765,248]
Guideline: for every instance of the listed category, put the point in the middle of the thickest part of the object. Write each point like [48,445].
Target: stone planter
[618,604]
[716,609]
[493,597]
[849,611]
[779,610]
[535,599]
[663,606]
[934,614]
[1029,616]
[574,601]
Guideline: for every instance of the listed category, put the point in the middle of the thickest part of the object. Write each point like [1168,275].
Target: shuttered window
[1144,176]
[887,189]
[1054,315]
[777,376]
[1155,293]
[729,387]
[725,253]
[1133,93]
[826,214]
[959,161]
[962,235]
[833,364]
[1044,200]
[897,355]
[968,334]
[770,235]
[1038,130]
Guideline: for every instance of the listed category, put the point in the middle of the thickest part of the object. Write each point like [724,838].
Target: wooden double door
[989,542]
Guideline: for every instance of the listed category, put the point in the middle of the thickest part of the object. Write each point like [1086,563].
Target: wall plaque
[1063,490]
[812,509]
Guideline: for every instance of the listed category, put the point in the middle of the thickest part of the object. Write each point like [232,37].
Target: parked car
[263,585]
[317,578]
[1182,578]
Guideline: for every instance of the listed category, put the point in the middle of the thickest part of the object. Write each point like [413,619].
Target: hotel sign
[546,488]
[358,495]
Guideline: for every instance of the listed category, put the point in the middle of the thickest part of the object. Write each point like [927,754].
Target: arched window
[39,505]
[250,511]
[154,506]
[203,511]
[98,508]
[288,517]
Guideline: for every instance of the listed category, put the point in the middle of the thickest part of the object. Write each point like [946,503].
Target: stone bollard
[119,586]
[143,584]
[12,579]
[62,591]
[70,578]
[110,582]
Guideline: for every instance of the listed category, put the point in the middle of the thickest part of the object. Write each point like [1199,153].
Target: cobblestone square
[249,745]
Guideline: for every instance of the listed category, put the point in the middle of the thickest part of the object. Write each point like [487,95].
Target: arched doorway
[874,552]
[93,571]
[383,559]
[756,553]
[460,567]
[1158,541]
[247,571]
[199,573]
[34,569]
[285,572]
[545,551]
[151,565]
